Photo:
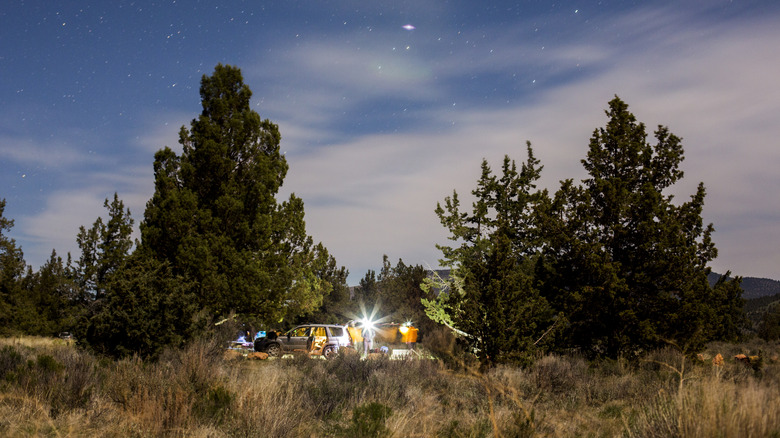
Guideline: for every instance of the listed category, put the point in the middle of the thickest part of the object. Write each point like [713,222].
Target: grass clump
[368,421]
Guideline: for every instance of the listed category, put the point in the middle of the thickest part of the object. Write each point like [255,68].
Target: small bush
[556,374]
[442,344]
[521,426]
[712,407]
[48,364]
[328,395]
[215,405]
[455,429]
[10,363]
[78,384]
[368,421]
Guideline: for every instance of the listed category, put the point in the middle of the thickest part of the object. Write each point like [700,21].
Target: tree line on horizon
[608,267]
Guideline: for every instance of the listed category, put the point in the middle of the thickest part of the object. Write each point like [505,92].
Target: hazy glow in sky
[386,107]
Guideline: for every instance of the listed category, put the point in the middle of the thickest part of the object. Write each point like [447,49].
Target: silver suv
[313,339]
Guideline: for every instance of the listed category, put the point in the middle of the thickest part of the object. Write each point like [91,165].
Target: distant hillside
[753,287]
[760,304]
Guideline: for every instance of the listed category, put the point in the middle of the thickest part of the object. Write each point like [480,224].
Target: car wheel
[330,352]
[273,350]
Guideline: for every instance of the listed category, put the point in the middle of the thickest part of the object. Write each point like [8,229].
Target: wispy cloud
[158,130]
[376,136]
[716,89]
[44,154]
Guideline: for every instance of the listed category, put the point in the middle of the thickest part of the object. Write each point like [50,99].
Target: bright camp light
[403,329]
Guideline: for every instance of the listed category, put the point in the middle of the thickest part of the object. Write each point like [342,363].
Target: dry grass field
[50,388]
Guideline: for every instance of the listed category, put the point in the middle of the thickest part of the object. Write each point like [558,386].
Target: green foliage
[626,265]
[368,421]
[10,362]
[145,309]
[613,265]
[214,241]
[367,291]
[215,219]
[214,405]
[103,249]
[396,294]
[12,267]
[58,296]
[49,303]
[769,326]
[32,302]
[727,318]
[490,296]
[48,364]
[336,303]
[401,294]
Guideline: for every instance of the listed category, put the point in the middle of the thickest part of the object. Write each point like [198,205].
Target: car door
[337,336]
[320,338]
[296,338]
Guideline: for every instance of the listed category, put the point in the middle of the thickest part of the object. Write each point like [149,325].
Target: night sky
[385,107]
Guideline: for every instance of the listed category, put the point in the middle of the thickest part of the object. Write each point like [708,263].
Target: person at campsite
[368,338]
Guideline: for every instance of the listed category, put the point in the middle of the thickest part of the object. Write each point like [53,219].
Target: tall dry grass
[50,388]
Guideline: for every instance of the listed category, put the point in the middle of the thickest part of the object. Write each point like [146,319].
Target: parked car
[65,335]
[317,339]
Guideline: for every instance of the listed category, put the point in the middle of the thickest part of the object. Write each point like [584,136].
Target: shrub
[368,421]
[214,405]
[556,374]
[10,363]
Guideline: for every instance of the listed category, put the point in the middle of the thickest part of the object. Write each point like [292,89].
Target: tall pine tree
[12,268]
[215,218]
[104,248]
[627,266]
[490,295]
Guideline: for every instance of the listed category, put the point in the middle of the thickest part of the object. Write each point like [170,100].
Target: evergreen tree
[401,294]
[134,317]
[215,218]
[367,292]
[727,319]
[337,306]
[490,295]
[769,326]
[12,270]
[104,248]
[37,303]
[47,305]
[625,264]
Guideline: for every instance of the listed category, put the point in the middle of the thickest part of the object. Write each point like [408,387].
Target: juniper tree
[400,292]
[145,309]
[12,269]
[48,304]
[626,265]
[490,296]
[215,218]
[103,247]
